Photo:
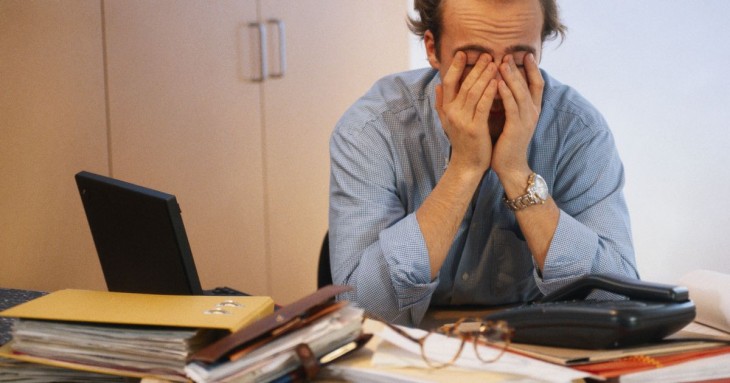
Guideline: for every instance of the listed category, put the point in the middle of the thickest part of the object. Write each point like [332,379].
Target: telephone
[566,319]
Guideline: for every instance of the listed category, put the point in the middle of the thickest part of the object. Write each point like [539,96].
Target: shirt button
[464,276]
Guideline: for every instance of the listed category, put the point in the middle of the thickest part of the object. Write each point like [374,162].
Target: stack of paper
[715,369]
[278,357]
[154,350]
[710,291]
[292,344]
[17,371]
[679,353]
[136,335]
[394,358]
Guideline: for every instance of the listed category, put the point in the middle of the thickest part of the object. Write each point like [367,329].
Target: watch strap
[526,200]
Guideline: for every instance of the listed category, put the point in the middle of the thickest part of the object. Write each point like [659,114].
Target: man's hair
[430,19]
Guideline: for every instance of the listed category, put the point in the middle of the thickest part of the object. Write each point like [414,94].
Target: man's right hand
[463,101]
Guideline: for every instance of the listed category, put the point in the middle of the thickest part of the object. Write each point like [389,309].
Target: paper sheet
[698,330]
[710,291]
[407,353]
[359,367]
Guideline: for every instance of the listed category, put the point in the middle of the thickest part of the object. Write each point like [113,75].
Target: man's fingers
[475,74]
[511,109]
[453,75]
[516,83]
[481,112]
[534,79]
[474,93]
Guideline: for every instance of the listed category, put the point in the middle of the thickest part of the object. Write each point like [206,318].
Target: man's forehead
[493,16]
[484,25]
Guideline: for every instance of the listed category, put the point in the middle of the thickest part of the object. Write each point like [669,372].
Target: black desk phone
[566,319]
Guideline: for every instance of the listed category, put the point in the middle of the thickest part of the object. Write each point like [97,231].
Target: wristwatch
[537,193]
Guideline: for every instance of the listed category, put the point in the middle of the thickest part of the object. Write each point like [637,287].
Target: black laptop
[140,238]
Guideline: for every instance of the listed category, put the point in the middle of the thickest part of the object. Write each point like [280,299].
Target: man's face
[495,27]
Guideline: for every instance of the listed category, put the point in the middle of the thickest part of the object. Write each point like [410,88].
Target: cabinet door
[335,50]
[52,124]
[185,119]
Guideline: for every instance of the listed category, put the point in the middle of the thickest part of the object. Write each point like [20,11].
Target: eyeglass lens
[488,340]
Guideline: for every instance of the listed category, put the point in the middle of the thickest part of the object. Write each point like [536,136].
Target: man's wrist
[465,172]
[536,192]
[515,182]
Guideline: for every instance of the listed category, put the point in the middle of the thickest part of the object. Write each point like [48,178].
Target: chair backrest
[324,273]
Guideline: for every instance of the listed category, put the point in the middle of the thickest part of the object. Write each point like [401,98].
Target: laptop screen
[139,237]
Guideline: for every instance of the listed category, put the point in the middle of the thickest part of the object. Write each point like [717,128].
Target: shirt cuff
[406,254]
[571,254]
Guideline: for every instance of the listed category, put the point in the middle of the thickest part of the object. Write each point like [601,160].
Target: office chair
[324,274]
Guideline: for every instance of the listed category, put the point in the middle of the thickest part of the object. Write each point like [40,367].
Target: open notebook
[140,238]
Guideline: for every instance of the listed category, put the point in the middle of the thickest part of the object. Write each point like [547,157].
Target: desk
[715,366]
[435,317]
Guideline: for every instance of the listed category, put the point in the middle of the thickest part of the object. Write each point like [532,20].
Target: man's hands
[464,100]
[522,100]
[489,112]
[463,107]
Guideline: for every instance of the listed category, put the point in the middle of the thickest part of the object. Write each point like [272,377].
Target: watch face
[540,188]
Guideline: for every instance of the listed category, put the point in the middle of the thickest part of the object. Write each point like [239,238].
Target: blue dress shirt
[389,151]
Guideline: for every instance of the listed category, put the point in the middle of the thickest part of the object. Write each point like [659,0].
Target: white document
[698,330]
[710,291]
[408,354]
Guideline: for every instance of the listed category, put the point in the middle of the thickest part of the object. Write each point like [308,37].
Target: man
[481,180]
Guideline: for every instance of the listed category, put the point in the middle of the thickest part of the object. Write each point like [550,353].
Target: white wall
[659,70]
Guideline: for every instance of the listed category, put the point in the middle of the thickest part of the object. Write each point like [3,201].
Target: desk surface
[438,316]
[433,318]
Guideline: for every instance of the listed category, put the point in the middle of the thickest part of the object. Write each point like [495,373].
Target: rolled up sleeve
[594,232]
[376,246]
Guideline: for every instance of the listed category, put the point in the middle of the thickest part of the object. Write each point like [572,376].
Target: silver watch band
[522,202]
[527,199]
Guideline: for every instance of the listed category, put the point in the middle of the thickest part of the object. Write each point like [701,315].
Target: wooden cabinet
[336,50]
[52,123]
[185,119]
[248,160]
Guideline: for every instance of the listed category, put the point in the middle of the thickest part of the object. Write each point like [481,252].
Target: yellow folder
[212,312]
[84,306]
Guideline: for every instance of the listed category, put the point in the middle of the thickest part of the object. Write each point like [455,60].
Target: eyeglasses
[496,335]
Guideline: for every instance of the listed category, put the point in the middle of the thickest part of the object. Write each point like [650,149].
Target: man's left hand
[522,99]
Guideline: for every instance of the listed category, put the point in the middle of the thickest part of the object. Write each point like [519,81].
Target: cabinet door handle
[281,36]
[263,53]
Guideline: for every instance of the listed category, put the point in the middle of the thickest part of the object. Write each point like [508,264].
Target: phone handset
[632,288]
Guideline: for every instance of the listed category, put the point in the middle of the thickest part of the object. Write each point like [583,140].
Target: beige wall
[102,86]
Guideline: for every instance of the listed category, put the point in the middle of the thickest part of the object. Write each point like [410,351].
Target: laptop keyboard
[225,291]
